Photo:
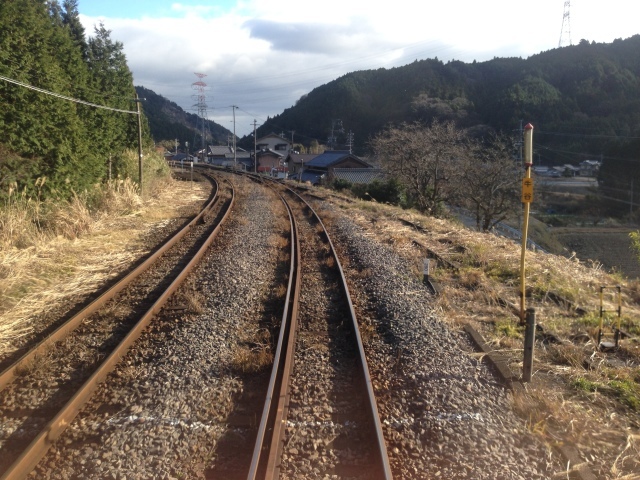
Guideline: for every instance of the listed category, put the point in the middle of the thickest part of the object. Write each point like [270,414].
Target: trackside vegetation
[42,135]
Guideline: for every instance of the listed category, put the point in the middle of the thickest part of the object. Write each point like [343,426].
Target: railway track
[178,406]
[320,416]
[43,391]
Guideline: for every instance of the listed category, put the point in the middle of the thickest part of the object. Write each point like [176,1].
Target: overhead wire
[564,134]
[64,97]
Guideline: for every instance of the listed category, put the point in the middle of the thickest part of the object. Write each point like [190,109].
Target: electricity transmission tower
[201,103]
[336,127]
[565,31]
[350,141]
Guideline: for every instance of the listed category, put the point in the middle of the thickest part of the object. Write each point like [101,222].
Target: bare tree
[423,158]
[489,182]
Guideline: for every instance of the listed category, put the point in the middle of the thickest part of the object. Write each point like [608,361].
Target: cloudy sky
[263,55]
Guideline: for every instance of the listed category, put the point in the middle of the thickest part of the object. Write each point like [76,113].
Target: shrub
[389,191]
[341,184]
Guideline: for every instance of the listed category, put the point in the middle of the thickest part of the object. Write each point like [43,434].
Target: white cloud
[262,55]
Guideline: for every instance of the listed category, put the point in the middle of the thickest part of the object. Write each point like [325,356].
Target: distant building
[274,143]
[590,168]
[333,164]
[546,171]
[297,161]
[222,156]
[268,160]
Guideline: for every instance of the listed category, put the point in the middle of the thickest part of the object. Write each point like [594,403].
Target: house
[546,171]
[590,168]
[568,170]
[274,143]
[268,160]
[332,162]
[217,154]
[223,156]
[180,158]
[297,161]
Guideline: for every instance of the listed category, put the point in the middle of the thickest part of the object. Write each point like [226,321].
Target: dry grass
[329,261]
[51,252]
[254,352]
[195,301]
[247,360]
[579,394]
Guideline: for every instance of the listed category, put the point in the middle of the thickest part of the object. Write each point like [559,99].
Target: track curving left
[46,388]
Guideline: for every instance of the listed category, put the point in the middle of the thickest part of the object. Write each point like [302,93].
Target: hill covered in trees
[584,101]
[168,121]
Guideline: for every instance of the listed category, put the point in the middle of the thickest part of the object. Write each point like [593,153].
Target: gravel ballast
[444,413]
[164,411]
[161,414]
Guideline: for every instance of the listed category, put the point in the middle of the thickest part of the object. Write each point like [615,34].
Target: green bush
[389,191]
[341,184]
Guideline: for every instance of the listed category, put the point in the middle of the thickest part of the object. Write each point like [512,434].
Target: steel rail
[30,457]
[276,403]
[384,465]
[268,448]
[10,373]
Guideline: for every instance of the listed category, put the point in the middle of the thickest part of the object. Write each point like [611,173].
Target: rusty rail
[40,445]
[269,443]
[266,450]
[9,374]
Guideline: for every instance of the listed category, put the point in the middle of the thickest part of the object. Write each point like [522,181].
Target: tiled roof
[298,158]
[330,157]
[238,155]
[219,149]
[268,151]
[359,175]
[327,158]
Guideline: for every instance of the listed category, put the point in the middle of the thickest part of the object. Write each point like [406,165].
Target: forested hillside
[43,45]
[168,121]
[584,101]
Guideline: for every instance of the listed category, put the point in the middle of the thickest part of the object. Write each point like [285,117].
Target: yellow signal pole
[527,198]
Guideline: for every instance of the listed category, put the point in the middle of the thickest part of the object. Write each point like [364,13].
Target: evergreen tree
[42,45]
[71,19]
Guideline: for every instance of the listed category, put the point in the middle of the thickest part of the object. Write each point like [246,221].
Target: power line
[584,135]
[569,154]
[63,97]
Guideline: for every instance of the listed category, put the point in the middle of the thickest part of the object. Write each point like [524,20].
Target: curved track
[66,367]
[320,415]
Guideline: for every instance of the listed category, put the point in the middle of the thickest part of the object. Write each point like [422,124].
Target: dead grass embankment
[51,251]
[579,395]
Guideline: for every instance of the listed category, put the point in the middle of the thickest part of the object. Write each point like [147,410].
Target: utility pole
[255,152]
[350,141]
[235,165]
[138,100]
